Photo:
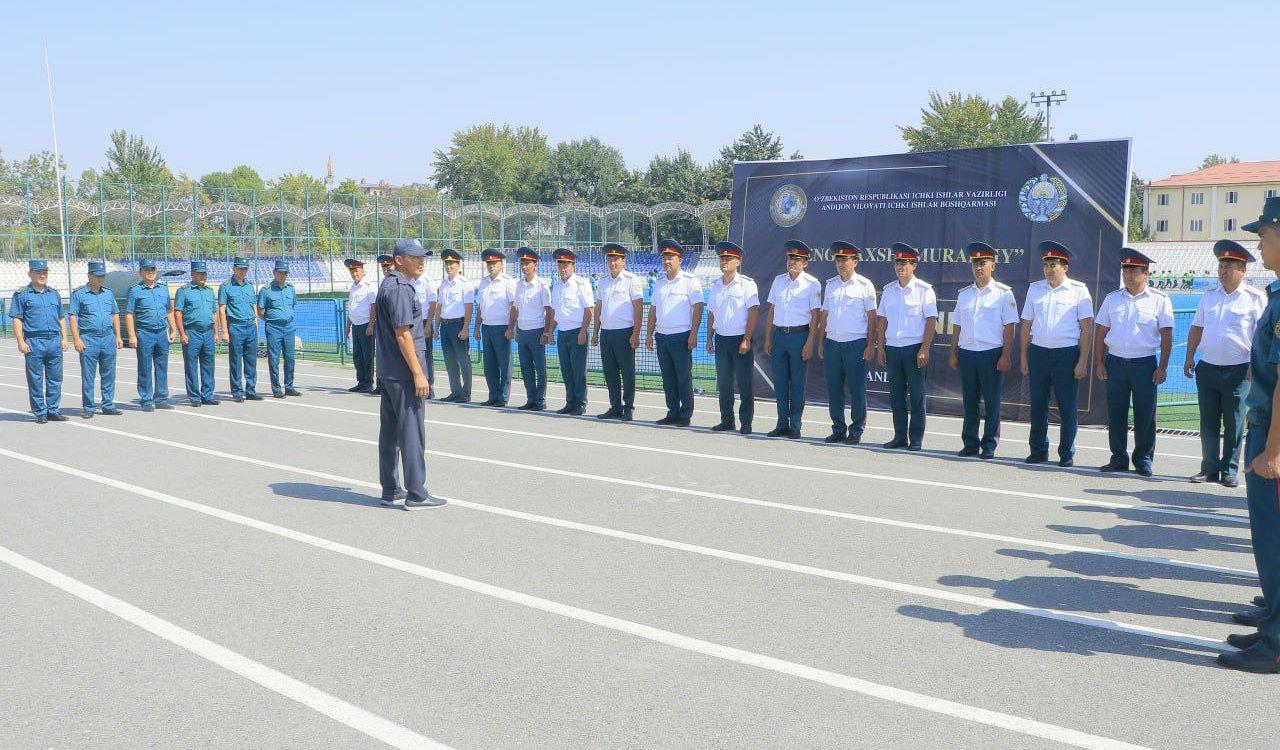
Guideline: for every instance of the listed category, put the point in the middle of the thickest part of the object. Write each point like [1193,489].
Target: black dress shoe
[278,394]
[1205,476]
[1113,466]
[681,423]
[1249,618]
[853,440]
[164,405]
[112,412]
[1142,471]
[745,429]
[447,399]
[1231,480]
[1260,601]
[86,414]
[212,402]
[1066,463]
[578,412]
[252,397]
[195,404]
[499,404]
[779,431]
[793,435]
[895,443]
[292,392]
[537,407]
[1243,640]
[57,417]
[1035,458]
[665,421]
[835,437]
[357,389]
[987,454]
[1259,658]
[967,452]
[722,427]
[610,414]
[914,447]
[525,406]
[148,407]
[41,419]
[564,409]
[237,399]
[489,402]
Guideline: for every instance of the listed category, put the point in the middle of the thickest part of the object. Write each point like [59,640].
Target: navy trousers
[1053,369]
[197,362]
[98,360]
[980,384]
[846,373]
[457,360]
[497,361]
[573,368]
[280,345]
[675,362]
[733,372]
[44,373]
[401,438]
[789,370]
[243,357]
[1221,391]
[533,365]
[618,360]
[153,366]
[906,392]
[1131,379]
[1264,528]
[362,354]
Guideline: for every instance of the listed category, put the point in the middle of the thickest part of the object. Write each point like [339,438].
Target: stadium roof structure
[1239,173]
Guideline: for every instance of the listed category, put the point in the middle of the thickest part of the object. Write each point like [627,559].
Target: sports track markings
[345,713]
[950,596]
[848,683]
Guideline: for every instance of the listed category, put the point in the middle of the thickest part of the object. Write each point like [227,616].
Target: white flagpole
[57,171]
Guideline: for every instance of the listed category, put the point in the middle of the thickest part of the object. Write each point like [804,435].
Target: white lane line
[350,715]
[1062,499]
[950,596]
[844,682]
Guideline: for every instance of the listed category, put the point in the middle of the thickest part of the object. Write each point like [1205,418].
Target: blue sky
[379,86]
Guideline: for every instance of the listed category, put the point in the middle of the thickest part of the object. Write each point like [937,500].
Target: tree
[1137,230]
[35,172]
[487,162]
[756,144]
[586,171]
[970,122]
[677,178]
[132,162]
[236,185]
[1213,160]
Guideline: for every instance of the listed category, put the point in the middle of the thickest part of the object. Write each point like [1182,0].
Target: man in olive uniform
[401,347]
[94,320]
[276,302]
[36,311]
[194,309]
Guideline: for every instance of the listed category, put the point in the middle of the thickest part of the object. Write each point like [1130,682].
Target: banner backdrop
[1012,197]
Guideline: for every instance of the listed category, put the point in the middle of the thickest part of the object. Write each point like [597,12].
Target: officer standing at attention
[195,308]
[1260,651]
[149,316]
[426,291]
[36,311]
[456,298]
[400,349]
[985,319]
[848,316]
[790,330]
[94,319]
[494,296]
[1056,334]
[908,315]
[1222,333]
[572,302]
[385,264]
[276,302]
[619,315]
[530,324]
[236,300]
[360,298]
[1132,323]
[674,319]
[732,312]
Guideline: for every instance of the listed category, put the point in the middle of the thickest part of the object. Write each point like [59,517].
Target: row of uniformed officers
[847,326]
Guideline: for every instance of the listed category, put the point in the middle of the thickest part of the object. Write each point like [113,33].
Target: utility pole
[1048,101]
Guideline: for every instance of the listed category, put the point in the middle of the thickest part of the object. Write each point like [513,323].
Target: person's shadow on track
[324,493]
[1091,564]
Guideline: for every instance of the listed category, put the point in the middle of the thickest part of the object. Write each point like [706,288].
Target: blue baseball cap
[37,264]
[411,248]
[97,268]
[281,266]
[146,263]
[199,266]
[239,262]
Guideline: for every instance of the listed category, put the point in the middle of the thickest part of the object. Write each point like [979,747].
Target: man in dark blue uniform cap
[94,320]
[1260,651]
[149,315]
[276,303]
[401,349]
[195,308]
[236,300]
[36,311]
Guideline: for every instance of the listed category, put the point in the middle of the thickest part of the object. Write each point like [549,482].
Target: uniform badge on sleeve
[1277,329]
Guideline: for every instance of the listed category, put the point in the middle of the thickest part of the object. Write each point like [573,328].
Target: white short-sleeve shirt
[494,297]
[616,298]
[982,315]
[425,290]
[673,299]
[569,299]
[905,310]
[846,304]
[1229,321]
[731,303]
[532,300]
[453,295]
[1055,312]
[794,300]
[360,301]
[1134,321]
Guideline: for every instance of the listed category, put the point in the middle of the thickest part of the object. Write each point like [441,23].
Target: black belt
[450,320]
[790,329]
